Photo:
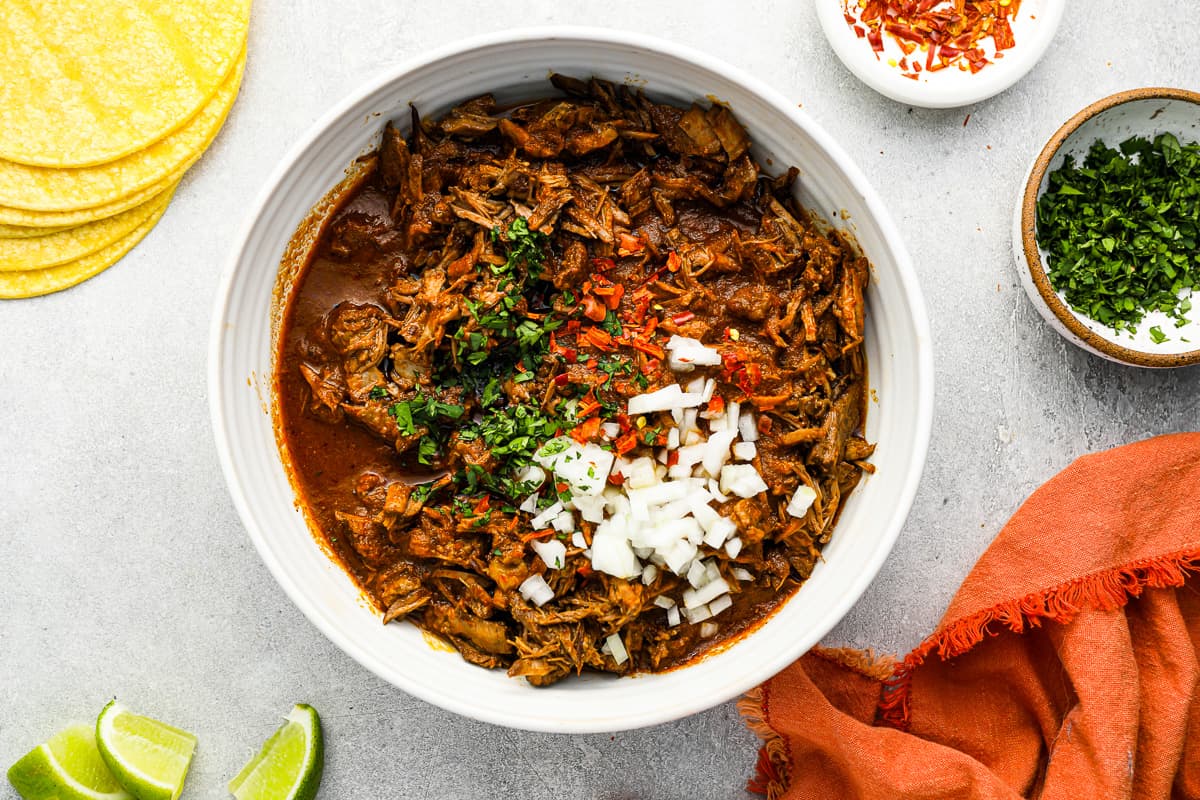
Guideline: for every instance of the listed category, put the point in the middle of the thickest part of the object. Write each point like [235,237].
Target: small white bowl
[1033,29]
[515,65]
[1139,112]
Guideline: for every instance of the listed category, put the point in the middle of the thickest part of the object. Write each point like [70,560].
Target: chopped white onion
[733,547]
[673,439]
[720,604]
[745,451]
[680,556]
[611,430]
[532,474]
[721,530]
[708,629]
[662,601]
[530,503]
[742,574]
[536,590]
[686,353]
[578,539]
[748,427]
[715,490]
[742,480]
[673,616]
[801,501]
[649,574]
[543,519]
[553,552]
[710,386]
[640,474]
[611,552]
[696,575]
[664,399]
[617,648]
[716,451]
[694,598]
[698,614]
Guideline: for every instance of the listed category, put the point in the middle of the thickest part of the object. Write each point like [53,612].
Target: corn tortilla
[32,283]
[50,189]
[24,232]
[82,216]
[91,81]
[18,255]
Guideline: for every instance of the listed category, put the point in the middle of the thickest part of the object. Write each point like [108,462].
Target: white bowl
[1033,29]
[516,65]
[1137,112]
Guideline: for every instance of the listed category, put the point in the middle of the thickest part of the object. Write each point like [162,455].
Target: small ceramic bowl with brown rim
[1139,112]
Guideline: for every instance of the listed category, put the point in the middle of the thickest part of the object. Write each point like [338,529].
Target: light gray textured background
[124,569]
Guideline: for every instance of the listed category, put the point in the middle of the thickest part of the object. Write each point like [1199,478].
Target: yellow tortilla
[74,243]
[23,232]
[82,216]
[90,81]
[49,189]
[36,282]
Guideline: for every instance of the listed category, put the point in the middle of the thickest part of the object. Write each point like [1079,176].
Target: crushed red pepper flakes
[950,32]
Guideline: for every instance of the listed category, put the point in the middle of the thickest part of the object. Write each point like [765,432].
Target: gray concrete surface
[125,571]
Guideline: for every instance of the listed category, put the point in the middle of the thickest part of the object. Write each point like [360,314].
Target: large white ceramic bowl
[516,65]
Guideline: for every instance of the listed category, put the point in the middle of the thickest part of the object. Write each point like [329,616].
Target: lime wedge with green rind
[149,758]
[290,763]
[66,767]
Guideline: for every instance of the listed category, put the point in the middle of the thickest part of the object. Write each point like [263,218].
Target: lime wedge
[149,758]
[67,767]
[289,765]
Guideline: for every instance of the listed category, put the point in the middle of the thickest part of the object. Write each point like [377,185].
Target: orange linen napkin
[1043,679]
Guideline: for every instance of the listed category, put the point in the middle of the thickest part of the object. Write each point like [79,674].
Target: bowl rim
[1033,256]
[905,276]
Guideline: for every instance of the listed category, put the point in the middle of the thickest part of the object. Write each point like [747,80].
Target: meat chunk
[359,335]
[752,302]
[435,539]
[841,423]
[491,637]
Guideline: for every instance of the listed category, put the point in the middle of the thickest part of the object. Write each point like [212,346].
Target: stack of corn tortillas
[104,104]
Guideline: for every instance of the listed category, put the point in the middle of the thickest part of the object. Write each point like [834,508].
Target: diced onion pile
[659,516]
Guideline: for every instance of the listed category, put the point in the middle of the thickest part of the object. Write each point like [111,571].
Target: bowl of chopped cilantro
[1107,228]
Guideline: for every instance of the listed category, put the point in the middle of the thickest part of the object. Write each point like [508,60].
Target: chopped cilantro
[1121,230]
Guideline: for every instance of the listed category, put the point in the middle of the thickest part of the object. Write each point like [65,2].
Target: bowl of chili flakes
[937,53]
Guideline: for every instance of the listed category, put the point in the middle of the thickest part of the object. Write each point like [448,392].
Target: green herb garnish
[1121,231]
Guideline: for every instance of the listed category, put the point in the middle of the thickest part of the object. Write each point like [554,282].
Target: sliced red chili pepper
[616,479]
[625,443]
[561,379]
[603,264]
[649,348]
[600,338]
[593,309]
[716,405]
[672,458]
[674,262]
[628,245]
[587,431]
